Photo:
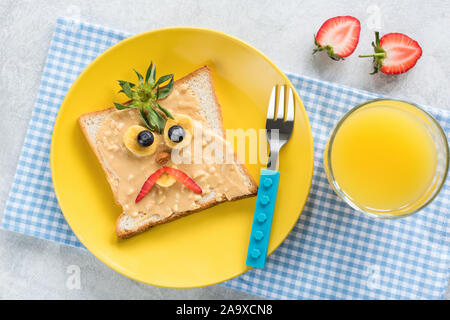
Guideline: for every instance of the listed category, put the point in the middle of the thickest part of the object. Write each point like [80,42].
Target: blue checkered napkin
[32,207]
[333,252]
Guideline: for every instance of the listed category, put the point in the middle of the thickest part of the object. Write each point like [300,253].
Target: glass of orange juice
[388,158]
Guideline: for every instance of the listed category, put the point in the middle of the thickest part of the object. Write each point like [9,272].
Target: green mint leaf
[163,79]
[153,117]
[152,75]
[145,119]
[120,106]
[149,70]
[163,92]
[165,111]
[161,122]
[127,90]
[122,82]
[156,119]
[144,97]
[140,77]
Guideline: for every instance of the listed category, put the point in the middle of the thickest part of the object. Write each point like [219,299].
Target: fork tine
[272,103]
[281,103]
[291,106]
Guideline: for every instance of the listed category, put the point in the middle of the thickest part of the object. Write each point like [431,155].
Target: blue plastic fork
[278,132]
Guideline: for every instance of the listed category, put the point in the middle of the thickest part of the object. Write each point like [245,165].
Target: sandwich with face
[166,157]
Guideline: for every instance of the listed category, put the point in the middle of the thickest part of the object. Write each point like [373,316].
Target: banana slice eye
[140,141]
[178,131]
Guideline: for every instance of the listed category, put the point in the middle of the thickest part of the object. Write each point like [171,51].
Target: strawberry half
[183,178]
[149,183]
[394,53]
[339,36]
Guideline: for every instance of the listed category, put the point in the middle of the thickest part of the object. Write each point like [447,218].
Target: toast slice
[200,84]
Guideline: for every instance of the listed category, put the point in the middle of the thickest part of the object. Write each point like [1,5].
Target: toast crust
[123,233]
[92,144]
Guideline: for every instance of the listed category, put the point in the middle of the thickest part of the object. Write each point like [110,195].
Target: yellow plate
[209,246]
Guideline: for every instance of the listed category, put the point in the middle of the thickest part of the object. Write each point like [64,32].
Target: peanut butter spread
[201,160]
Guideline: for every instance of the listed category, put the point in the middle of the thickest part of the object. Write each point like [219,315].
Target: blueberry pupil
[176,133]
[145,138]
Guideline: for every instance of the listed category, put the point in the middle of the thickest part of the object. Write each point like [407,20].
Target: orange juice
[383,157]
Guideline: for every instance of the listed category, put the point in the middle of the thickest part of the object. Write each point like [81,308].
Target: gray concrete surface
[283,30]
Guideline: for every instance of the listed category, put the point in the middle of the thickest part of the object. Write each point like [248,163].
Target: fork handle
[262,218]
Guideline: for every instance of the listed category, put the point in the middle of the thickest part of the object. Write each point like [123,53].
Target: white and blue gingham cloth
[332,253]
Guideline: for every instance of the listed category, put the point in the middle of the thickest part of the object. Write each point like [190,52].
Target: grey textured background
[283,30]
